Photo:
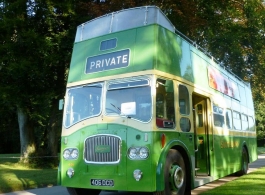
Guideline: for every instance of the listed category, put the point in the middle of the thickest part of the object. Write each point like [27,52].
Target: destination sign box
[109,61]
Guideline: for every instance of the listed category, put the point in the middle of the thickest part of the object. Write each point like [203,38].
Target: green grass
[261,150]
[250,184]
[15,177]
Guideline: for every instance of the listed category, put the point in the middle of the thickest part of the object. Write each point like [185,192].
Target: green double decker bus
[146,110]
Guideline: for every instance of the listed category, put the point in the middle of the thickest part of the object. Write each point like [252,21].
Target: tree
[36,41]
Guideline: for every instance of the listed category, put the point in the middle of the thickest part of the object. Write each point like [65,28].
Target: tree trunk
[27,142]
[52,140]
[54,130]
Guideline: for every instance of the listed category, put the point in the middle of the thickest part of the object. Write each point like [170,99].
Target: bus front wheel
[174,174]
[81,191]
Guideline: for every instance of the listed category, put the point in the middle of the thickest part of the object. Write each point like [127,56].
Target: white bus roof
[122,20]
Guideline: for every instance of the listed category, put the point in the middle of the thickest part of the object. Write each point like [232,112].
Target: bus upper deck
[148,42]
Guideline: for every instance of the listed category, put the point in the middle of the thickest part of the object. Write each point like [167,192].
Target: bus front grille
[102,149]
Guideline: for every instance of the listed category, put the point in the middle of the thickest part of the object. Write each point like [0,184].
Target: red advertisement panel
[220,83]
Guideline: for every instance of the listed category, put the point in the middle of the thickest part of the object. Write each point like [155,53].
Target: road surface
[58,190]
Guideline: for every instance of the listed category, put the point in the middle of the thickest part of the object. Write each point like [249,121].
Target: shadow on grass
[14,180]
[15,177]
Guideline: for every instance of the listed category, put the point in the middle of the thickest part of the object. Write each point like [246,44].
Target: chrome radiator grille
[102,149]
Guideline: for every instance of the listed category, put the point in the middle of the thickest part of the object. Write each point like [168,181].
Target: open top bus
[146,110]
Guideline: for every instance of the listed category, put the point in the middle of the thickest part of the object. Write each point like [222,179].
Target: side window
[184,108]
[244,120]
[165,108]
[236,120]
[229,120]
[184,102]
[199,115]
[218,116]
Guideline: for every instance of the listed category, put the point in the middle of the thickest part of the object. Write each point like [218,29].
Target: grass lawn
[261,150]
[250,184]
[16,177]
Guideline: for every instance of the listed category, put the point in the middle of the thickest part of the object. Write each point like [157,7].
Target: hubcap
[176,176]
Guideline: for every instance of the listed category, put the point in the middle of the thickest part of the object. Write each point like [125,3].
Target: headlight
[133,153]
[66,154]
[74,153]
[143,153]
[138,153]
[70,154]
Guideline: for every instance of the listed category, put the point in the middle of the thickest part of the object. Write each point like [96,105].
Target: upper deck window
[108,44]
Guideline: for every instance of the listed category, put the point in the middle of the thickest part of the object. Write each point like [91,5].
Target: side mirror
[61,103]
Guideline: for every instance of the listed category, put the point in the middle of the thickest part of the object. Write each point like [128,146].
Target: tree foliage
[37,38]
[36,42]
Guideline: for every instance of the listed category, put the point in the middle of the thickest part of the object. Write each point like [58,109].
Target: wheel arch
[179,146]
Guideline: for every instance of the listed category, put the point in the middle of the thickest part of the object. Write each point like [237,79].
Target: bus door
[201,141]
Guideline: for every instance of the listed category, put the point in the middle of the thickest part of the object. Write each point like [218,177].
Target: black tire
[244,163]
[175,165]
[81,191]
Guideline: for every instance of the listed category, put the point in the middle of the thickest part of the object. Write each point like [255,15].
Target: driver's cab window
[165,108]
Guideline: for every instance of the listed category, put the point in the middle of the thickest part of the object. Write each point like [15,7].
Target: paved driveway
[58,190]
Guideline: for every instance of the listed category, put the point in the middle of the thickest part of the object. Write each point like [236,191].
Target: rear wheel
[174,174]
[244,163]
[81,191]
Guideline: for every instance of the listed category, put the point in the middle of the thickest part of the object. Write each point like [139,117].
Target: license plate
[102,182]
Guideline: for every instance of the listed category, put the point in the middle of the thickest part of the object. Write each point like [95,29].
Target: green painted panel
[227,154]
[200,67]
[122,172]
[151,47]
[186,66]
[168,52]
[139,41]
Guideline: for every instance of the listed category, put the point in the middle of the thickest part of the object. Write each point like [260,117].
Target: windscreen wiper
[119,110]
